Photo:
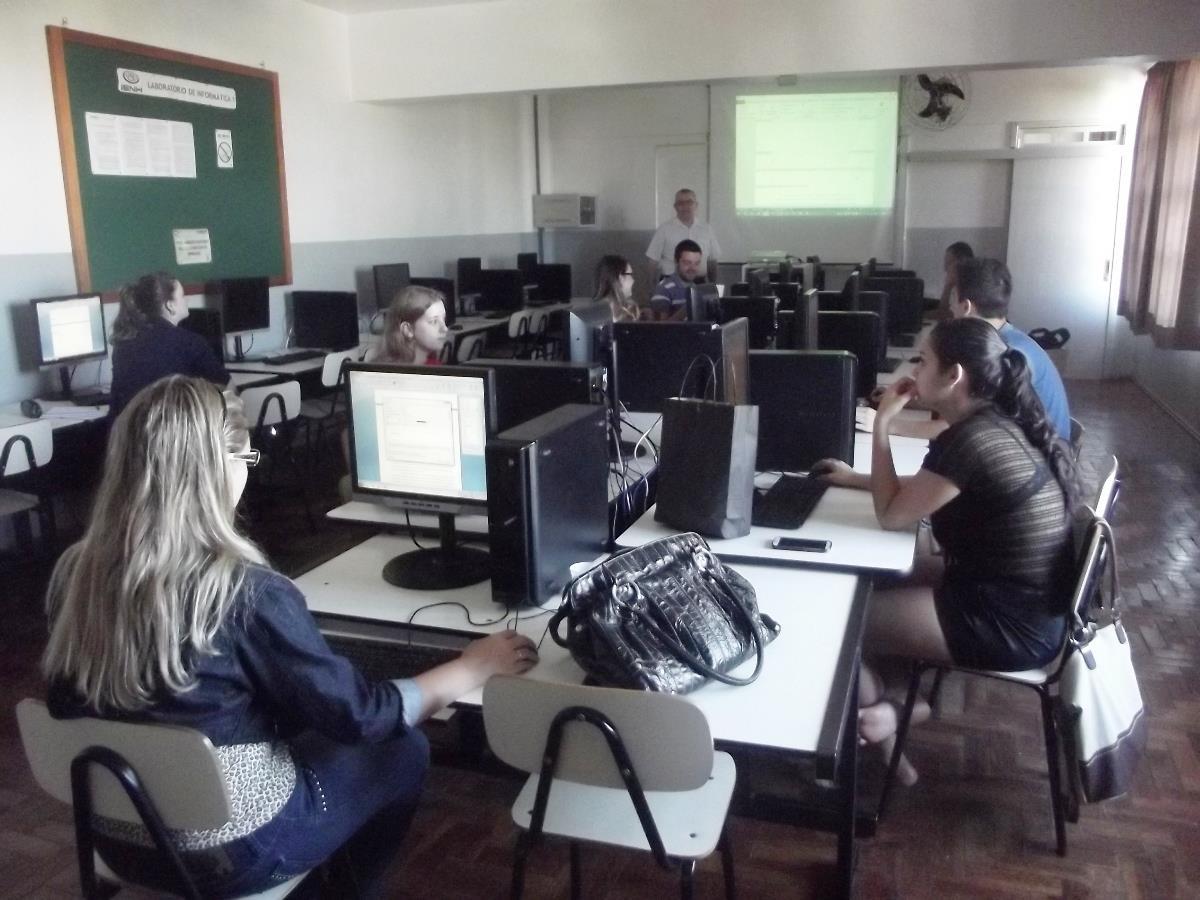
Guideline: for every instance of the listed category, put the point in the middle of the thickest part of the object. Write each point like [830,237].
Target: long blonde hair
[157,570]
[407,307]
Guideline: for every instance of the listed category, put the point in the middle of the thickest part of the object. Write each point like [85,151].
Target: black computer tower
[547,502]
[805,403]
[207,323]
[527,388]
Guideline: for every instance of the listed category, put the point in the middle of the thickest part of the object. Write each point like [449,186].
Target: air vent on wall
[1054,135]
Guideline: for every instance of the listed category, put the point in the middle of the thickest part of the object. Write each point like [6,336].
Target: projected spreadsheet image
[815,154]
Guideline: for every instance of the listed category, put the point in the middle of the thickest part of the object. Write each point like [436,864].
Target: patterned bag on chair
[1105,721]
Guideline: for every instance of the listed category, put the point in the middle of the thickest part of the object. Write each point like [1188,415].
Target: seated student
[147,345]
[614,286]
[998,487]
[670,297]
[955,253]
[152,620]
[414,328]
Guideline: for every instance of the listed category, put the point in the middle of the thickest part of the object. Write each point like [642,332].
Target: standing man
[684,227]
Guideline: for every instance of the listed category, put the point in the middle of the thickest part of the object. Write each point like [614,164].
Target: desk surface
[800,695]
[59,413]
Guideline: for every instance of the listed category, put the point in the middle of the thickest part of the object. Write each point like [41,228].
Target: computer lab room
[605,449]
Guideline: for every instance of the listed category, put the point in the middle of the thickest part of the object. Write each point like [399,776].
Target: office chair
[1092,555]
[273,414]
[161,777]
[24,449]
[631,769]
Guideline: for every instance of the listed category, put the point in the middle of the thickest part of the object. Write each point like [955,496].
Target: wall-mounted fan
[935,100]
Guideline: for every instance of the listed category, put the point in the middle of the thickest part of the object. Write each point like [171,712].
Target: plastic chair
[162,777]
[324,410]
[1091,559]
[24,449]
[631,769]
[469,347]
[273,414]
[520,337]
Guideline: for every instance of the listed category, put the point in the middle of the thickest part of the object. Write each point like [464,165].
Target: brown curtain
[1160,288]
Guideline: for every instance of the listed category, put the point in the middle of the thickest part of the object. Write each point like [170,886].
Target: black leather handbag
[665,616]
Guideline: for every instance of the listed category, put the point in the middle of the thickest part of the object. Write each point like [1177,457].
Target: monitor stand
[64,379]
[239,353]
[439,568]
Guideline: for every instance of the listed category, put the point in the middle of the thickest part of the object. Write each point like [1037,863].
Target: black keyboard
[92,399]
[380,660]
[889,364]
[788,503]
[282,359]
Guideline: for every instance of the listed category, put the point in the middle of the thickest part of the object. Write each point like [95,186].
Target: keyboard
[381,660]
[282,359]
[788,503]
[888,364]
[92,399]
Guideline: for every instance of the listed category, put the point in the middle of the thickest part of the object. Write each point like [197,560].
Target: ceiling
[353,7]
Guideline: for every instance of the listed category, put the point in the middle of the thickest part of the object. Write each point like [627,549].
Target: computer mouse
[31,409]
[454,327]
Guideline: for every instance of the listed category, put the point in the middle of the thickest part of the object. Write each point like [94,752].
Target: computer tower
[805,403]
[207,323]
[527,388]
[589,333]
[656,360]
[547,502]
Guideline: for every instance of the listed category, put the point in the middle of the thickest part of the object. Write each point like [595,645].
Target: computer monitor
[760,283]
[445,287]
[906,301]
[325,320]
[703,302]
[417,437]
[805,406]
[656,360]
[245,305]
[589,334]
[761,314]
[860,333]
[729,272]
[788,293]
[553,282]
[528,263]
[70,330]
[501,289]
[390,279]
[878,303]
[526,388]
[207,323]
[805,331]
[851,288]
[468,270]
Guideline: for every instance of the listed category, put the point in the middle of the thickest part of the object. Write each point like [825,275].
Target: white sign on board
[132,81]
[192,246]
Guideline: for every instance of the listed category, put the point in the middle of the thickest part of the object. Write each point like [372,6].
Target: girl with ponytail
[998,486]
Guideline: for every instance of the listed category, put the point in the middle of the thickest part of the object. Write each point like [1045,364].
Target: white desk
[239,379]
[301,367]
[59,413]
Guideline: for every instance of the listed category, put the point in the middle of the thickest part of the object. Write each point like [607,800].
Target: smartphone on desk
[803,545]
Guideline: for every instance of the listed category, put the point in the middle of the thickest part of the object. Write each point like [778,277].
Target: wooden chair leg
[914,685]
[1057,803]
[576,872]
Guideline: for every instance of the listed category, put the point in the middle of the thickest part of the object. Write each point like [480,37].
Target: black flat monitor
[805,333]
[876,302]
[656,360]
[445,287]
[761,314]
[467,273]
[207,323]
[906,301]
[788,293]
[390,279]
[760,283]
[325,320]
[70,330]
[417,438]
[589,334]
[528,263]
[860,333]
[851,288]
[703,303]
[526,388]
[501,289]
[245,305]
[738,289]
[805,403]
[553,282]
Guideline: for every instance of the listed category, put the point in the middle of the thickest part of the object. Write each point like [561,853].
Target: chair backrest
[270,404]
[177,766]
[519,323]
[469,347]
[1106,495]
[331,369]
[541,322]
[667,738]
[22,444]
[1076,436]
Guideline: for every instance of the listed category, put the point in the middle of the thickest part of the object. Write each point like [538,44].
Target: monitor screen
[501,289]
[245,304]
[389,280]
[417,435]
[325,320]
[70,329]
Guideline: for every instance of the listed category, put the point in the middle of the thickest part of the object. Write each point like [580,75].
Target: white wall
[366,177]
[521,45]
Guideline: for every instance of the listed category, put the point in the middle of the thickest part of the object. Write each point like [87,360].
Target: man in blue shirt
[670,297]
[984,287]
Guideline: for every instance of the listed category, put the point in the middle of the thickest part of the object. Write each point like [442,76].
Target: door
[679,166]
[1061,233]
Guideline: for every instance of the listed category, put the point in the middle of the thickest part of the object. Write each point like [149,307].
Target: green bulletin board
[170,161]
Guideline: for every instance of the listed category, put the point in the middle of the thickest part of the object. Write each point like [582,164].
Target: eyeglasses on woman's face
[249,457]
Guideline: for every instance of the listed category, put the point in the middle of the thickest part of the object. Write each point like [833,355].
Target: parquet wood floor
[977,824]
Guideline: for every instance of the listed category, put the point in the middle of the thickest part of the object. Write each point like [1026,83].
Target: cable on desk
[466,612]
[412,532]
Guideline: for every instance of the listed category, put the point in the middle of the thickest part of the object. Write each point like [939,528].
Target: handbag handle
[712,382]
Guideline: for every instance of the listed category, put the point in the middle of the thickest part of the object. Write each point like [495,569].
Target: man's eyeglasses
[249,457]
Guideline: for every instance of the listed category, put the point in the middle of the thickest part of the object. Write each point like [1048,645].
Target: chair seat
[13,502]
[689,822]
[1025,676]
[278,892]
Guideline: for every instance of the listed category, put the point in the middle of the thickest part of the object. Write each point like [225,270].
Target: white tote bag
[1105,733]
